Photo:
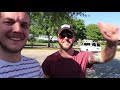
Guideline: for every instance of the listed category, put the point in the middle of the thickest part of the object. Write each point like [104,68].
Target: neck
[10,57]
[66,53]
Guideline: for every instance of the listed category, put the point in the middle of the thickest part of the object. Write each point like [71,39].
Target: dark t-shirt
[57,66]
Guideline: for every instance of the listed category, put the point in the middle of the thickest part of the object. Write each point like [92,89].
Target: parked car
[90,46]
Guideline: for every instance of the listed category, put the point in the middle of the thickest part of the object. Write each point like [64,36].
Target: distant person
[69,63]
[14,31]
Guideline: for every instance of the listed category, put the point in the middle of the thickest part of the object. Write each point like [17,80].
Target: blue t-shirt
[26,68]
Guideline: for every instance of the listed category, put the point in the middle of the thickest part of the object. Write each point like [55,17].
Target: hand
[109,32]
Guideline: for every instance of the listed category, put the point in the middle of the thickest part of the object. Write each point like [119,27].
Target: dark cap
[65,27]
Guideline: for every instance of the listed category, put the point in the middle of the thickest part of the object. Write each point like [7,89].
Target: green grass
[118,49]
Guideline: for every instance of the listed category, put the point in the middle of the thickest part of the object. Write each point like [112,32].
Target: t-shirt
[57,66]
[26,68]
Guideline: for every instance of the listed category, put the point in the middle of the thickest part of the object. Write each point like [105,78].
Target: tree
[31,39]
[46,23]
[80,29]
[93,32]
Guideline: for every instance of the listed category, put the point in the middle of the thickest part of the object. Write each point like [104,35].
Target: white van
[90,46]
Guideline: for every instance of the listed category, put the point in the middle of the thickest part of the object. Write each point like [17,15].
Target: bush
[45,41]
[102,42]
[42,41]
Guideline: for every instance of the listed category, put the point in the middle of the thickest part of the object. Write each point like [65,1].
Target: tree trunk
[49,41]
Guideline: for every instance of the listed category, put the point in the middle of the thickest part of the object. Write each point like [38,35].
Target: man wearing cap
[69,63]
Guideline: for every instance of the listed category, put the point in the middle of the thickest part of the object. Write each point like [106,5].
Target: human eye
[7,22]
[25,25]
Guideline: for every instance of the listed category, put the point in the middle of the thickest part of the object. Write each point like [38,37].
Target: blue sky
[106,17]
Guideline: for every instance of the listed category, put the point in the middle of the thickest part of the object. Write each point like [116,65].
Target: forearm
[108,52]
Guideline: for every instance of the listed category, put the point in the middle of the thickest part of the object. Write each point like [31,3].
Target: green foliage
[45,41]
[31,39]
[47,23]
[93,32]
[80,29]
[102,43]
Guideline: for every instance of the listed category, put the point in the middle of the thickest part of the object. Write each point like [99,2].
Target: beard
[66,49]
[10,50]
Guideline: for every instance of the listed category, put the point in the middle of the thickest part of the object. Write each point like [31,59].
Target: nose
[17,28]
[66,37]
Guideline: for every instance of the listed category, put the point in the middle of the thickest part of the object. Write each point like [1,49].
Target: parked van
[90,46]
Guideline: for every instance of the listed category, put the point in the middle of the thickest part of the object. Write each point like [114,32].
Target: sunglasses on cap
[64,34]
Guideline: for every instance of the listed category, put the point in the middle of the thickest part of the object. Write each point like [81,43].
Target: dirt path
[107,70]
[40,55]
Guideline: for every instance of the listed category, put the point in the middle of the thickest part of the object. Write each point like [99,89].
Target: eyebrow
[8,19]
[19,20]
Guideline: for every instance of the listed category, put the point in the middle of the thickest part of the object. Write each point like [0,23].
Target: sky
[106,17]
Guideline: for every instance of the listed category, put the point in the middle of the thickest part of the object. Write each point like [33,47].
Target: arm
[109,52]
[46,67]
[110,34]
[105,55]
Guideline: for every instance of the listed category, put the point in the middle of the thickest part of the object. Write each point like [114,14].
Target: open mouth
[15,38]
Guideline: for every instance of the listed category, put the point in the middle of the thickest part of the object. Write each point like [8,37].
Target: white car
[90,46]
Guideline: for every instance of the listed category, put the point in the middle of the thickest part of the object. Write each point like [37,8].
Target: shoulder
[51,59]
[81,53]
[76,52]
[33,65]
[85,53]
[28,59]
[54,55]
[31,62]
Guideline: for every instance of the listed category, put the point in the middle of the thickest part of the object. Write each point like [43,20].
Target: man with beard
[14,31]
[69,63]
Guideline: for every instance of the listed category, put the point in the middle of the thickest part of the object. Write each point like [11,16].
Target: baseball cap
[65,27]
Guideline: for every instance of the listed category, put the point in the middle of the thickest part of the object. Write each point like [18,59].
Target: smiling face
[14,31]
[66,39]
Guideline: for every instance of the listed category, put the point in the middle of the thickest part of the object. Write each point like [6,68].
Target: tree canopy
[46,23]
[93,32]
[80,29]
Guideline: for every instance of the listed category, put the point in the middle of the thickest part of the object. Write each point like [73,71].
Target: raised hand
[110,32]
